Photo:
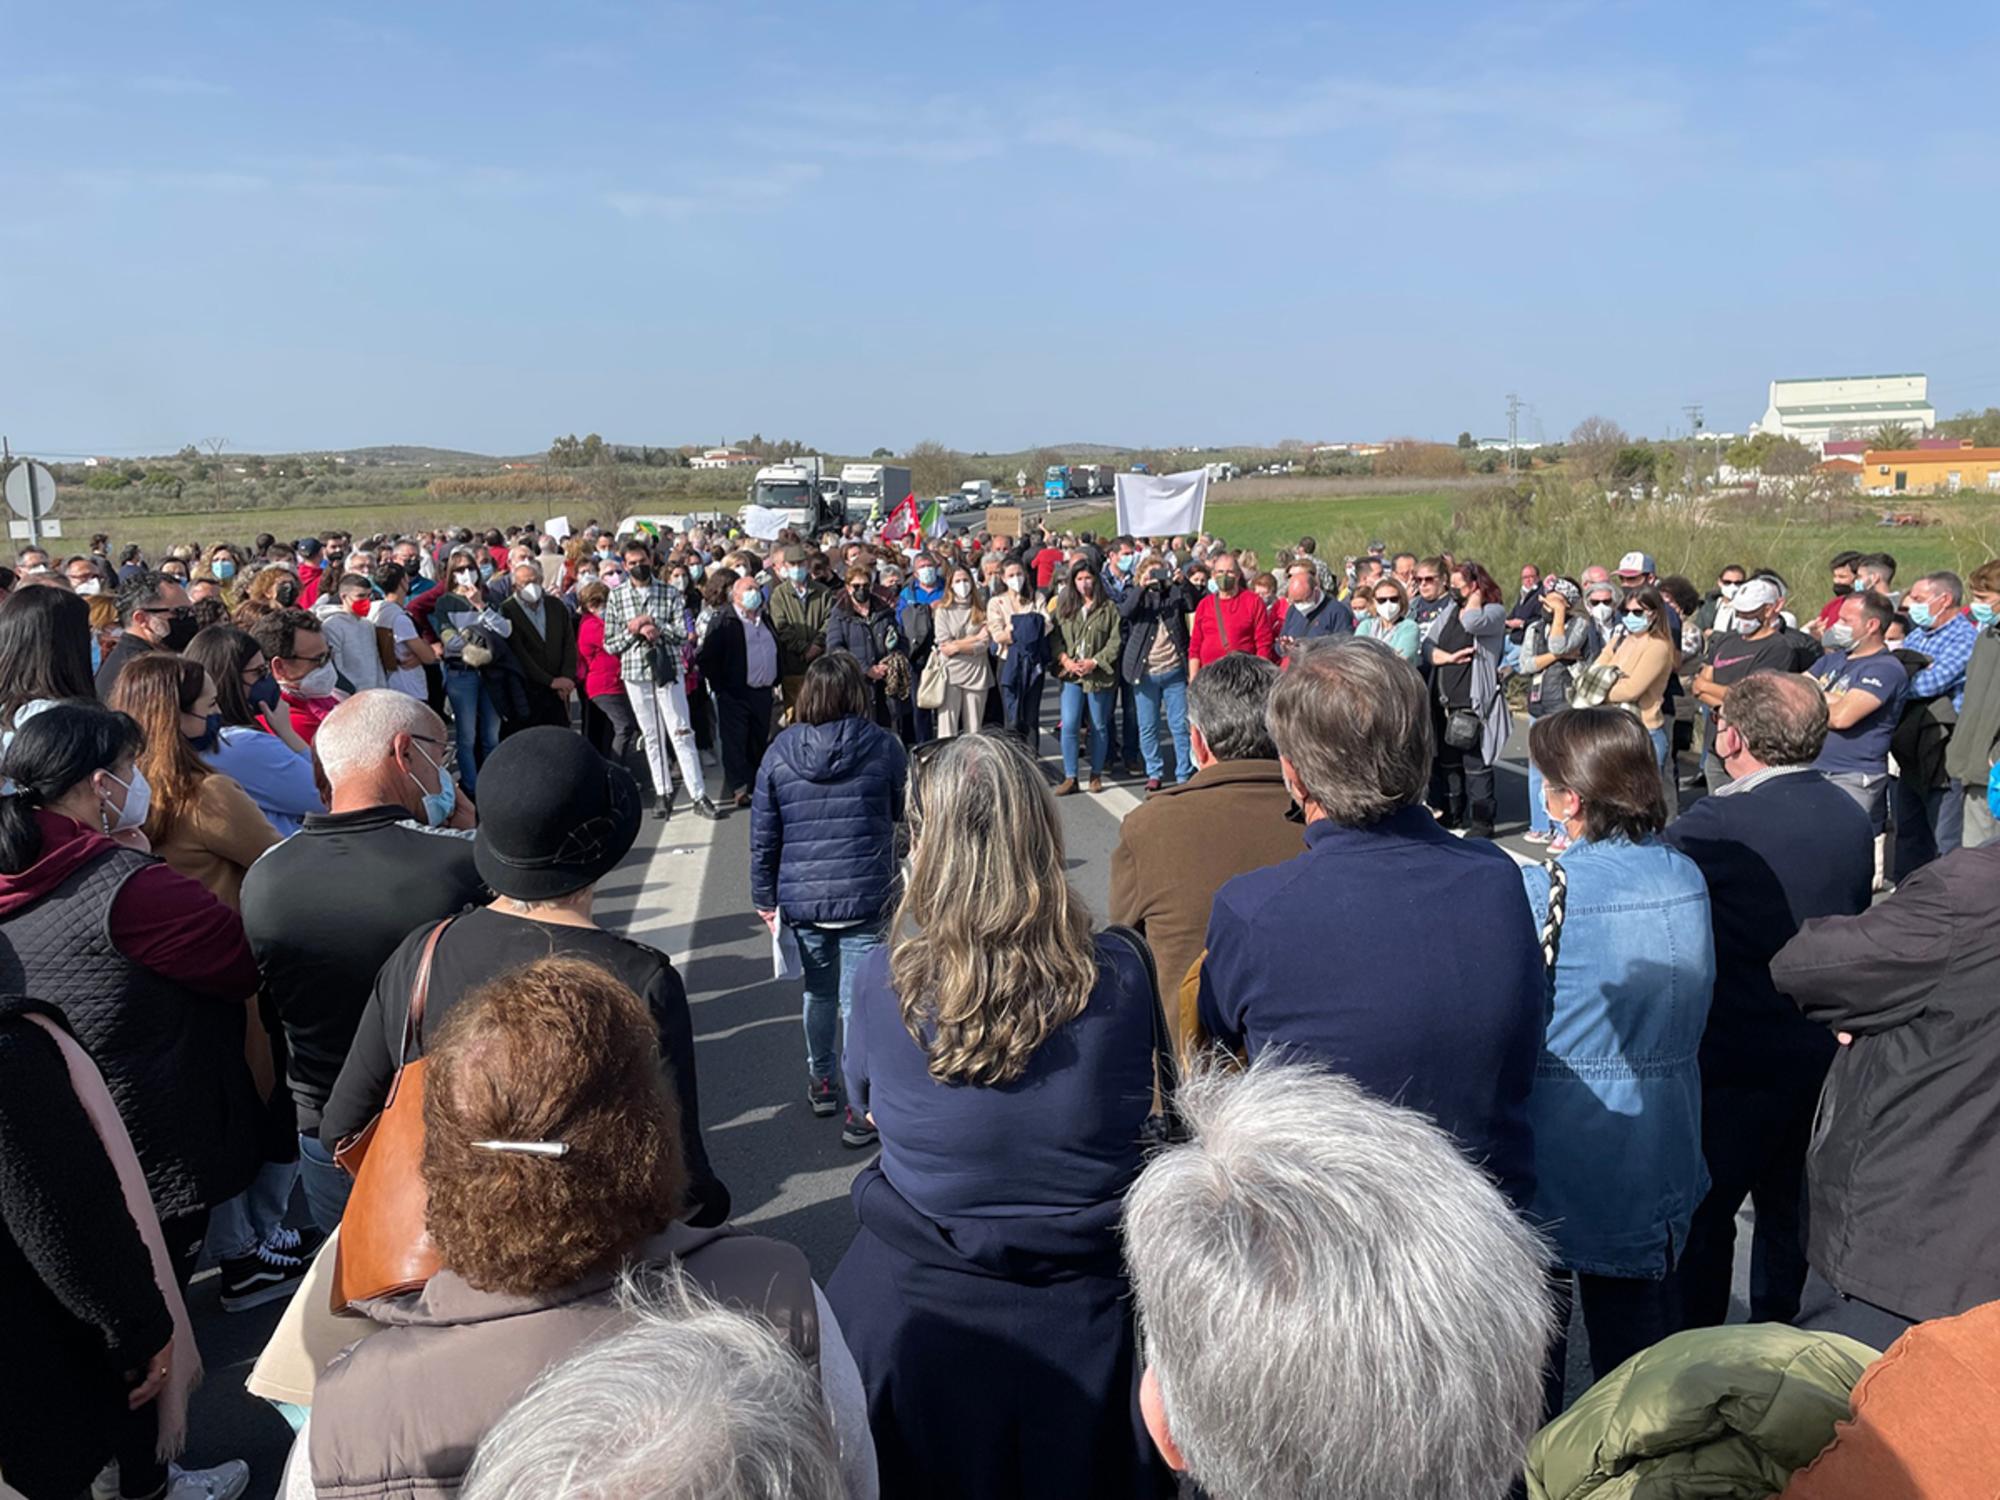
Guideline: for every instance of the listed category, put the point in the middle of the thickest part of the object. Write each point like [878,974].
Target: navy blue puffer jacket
[823,822]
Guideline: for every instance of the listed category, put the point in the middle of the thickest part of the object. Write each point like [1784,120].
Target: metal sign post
[31,493]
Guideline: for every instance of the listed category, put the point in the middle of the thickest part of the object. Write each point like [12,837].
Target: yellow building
[1901,471]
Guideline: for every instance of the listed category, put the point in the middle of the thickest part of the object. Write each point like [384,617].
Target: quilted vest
[400,1413]
[173,1059]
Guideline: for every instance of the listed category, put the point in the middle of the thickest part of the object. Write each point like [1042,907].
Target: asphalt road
[685,889]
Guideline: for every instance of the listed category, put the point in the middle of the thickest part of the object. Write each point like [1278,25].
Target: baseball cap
[307,546]
[1758,593]
[1636,562]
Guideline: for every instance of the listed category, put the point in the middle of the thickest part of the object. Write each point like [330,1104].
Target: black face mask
[181,629]
[640,572]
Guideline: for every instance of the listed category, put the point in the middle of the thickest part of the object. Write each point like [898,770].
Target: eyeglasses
[311,661]
[251,676]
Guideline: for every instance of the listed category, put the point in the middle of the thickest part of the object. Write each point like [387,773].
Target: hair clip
[526,1148]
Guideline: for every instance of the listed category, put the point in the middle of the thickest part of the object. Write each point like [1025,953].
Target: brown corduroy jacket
[1177,849]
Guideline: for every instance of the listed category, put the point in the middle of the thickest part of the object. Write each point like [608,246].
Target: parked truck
[793,490]
[1090,479]
[873,490]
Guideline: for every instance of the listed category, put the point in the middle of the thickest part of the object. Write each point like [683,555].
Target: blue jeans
[1169,691]
[1929,823]
[1074,701]
[1663,743]
[244,1222]
[475,719]
[326,1185]
[831,955]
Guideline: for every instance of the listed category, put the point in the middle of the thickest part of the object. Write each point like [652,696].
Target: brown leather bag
[384,1247]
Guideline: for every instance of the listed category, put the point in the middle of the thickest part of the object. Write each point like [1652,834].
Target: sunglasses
[1388,599]
[1427,578]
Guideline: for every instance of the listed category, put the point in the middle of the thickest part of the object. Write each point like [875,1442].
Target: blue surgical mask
[695,570]
[1638,623]
[1128,562]
[437,804]
[223,569]
[1920,615]
[96,654]
[211,733]
[1983,613]
[927,577]
[797,575]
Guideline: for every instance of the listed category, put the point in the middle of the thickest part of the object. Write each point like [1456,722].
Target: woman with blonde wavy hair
[1004,1053]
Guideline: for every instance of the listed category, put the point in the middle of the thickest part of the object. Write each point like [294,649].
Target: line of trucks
[809,498]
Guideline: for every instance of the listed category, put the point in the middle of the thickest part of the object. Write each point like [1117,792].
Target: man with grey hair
[693,1401]
[1332,1303]
[1458,1032]
[326,908]
[1177,848]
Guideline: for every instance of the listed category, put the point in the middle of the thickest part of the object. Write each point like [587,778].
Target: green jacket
[797,623]
[1710,1414]
[1091,635]
[1969,756]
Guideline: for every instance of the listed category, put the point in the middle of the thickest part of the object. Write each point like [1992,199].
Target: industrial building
[1847,406]
[1902,471]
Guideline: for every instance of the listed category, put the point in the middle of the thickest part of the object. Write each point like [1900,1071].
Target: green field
[1563,531]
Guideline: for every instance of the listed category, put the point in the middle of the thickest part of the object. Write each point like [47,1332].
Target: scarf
[184,1371]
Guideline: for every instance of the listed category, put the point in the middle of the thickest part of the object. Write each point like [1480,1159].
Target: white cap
[1636,562]
[1756,594]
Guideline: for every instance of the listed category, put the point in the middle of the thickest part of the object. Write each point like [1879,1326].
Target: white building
[722,458]
[1844,406]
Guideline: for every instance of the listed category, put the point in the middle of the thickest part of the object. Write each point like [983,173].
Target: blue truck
[1055,483]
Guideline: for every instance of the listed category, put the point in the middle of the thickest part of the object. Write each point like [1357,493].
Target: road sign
[31,489]
[27,531]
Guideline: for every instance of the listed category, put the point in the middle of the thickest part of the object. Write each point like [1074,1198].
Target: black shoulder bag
[1163,1126]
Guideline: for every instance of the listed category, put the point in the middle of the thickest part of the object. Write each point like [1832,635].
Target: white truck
[977,494]
[873,490]
[793,490]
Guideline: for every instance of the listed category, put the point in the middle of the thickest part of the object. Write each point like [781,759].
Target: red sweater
[1242,620]
[602,673]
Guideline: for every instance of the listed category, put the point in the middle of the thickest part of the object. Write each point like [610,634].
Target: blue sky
[479,225]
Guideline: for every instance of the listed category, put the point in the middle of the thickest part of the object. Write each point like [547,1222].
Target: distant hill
[400,453]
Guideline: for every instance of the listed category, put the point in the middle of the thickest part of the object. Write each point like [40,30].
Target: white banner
[557,527]
[1161,504]
[761,522]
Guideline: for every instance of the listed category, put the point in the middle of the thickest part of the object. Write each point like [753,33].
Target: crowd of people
[1288,1183]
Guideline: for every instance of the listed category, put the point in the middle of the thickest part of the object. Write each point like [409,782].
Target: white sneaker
[105,1485]
[223,1482]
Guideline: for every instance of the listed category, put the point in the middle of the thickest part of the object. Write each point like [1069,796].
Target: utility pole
[1693,410]
[1513,427]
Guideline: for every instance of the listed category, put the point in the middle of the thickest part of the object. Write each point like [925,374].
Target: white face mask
[1386,612]
[89,586]
[138,802]
[465,578]
[317,683]
[531,594]
[1016,582]
[1601,613]
[961,589]
[1729,590]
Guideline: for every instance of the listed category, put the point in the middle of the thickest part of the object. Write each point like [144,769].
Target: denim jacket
[1616,1102]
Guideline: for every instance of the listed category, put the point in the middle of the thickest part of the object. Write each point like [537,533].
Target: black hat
[554,815]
